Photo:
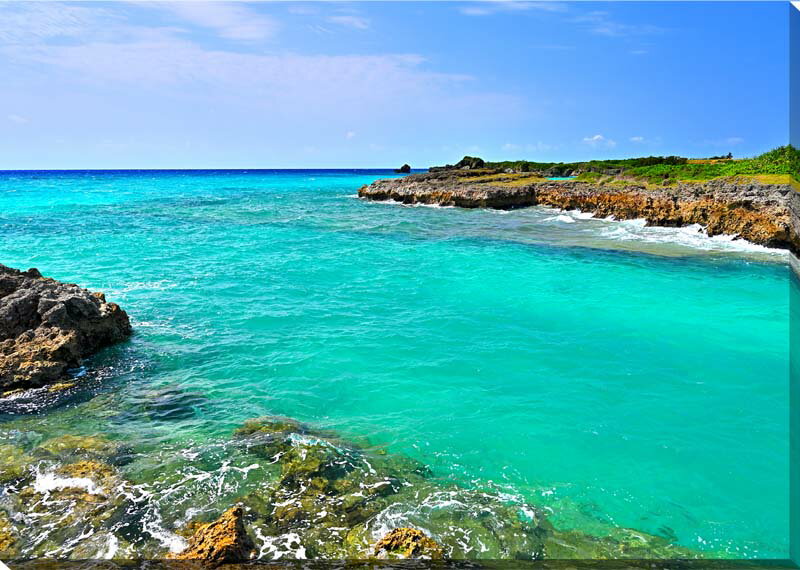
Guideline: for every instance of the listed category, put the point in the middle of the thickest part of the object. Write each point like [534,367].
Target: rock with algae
[224,541]
[14,463]
[336,499]
[407,543]
[8,538]
[65,504]
[69,447]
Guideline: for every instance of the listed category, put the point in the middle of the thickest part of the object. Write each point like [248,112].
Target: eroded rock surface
[224,541]
[407,543]
[760,213]
[47,327]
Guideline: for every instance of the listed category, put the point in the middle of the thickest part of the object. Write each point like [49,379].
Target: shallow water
[614,374]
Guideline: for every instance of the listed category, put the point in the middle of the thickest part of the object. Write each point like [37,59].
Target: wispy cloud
[599,141]
[18,119]
[350,135]
[637,139]
[602,23]
[490,7]
[230,20]
[27,22]
[356,22]
[529,147]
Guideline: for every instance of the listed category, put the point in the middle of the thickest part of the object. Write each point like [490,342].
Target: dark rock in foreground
[47,327]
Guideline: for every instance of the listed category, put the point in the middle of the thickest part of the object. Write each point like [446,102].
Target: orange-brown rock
[47,327]
[224,541]
[408,543]
[766,214]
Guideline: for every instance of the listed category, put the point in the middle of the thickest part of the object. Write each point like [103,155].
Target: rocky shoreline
[765,214]
[48,327]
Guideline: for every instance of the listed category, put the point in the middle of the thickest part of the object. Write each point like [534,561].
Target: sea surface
[608,372]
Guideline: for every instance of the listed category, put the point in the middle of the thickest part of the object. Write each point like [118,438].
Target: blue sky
[335,84]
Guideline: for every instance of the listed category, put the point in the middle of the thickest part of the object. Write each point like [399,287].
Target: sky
[378,84]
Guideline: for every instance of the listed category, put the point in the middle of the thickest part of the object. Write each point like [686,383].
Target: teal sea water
[613,374]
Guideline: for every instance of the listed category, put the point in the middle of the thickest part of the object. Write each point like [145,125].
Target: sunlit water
[613,373]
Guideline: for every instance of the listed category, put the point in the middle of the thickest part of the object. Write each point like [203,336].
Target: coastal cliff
[47,327]
[764,213]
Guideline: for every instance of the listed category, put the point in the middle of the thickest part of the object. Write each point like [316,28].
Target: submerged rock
[47,327]
[224,541]
[408,543]
[14,463]
[70,447]
[334,500]
[8,538]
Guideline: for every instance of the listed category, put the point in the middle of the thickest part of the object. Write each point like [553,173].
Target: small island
[754,199]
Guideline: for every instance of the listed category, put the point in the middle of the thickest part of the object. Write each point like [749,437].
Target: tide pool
[614,374]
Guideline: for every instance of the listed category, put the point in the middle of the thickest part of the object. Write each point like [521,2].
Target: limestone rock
[47,327]
[408,543]
[224,541]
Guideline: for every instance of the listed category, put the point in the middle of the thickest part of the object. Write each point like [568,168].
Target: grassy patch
[781,162]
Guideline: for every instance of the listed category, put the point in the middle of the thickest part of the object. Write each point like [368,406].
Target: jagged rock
[47,327]
[405,169]
[408,543]
[224,541]
[470,163]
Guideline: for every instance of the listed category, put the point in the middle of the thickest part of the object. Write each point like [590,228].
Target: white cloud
[349,135]
[17,119]
[230,20]
[495,6]
[530,147]
[601,23]
[637,139]
[734,140]
[599,141]
[356,22]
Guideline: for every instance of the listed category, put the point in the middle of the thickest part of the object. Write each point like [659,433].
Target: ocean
[611,374]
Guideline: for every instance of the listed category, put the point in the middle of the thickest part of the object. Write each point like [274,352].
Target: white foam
[693,236]
[48,482]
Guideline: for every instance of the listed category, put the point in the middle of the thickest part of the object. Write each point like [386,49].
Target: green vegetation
[662,170]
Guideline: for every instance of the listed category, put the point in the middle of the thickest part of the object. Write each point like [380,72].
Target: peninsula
[755,199]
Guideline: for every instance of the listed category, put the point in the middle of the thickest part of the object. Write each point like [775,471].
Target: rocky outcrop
[47,327]
[405,169]
[224,541]
[766,214]
[408,543]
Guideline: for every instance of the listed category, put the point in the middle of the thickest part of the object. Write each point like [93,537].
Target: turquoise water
[613,373]
[561,178]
